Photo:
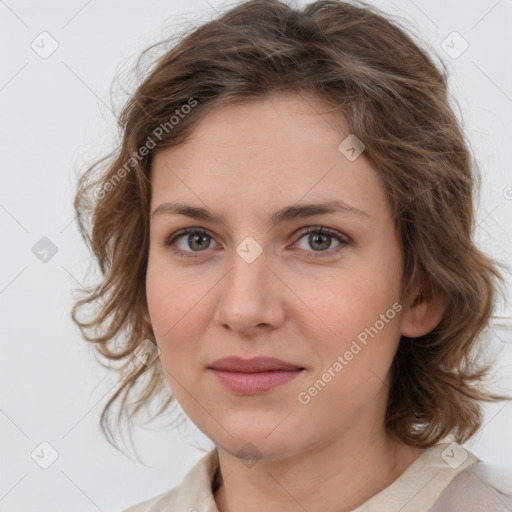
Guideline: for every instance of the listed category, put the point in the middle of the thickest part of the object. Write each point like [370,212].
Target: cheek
[178,313]
[352,300]
[354,365]
[177,345]
[169,296]
[362,311]
[159,303]
[165,311]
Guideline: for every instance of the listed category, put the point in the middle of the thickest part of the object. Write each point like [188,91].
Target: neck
[339,474]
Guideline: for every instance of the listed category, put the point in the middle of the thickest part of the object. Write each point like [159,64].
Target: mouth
[253,376]
[253,383]
[253,365]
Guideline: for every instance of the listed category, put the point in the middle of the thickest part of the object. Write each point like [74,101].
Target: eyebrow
[285,214]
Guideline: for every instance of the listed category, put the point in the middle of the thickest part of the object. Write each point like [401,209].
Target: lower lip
[254,383]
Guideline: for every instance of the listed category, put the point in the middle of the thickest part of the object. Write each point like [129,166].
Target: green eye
[201,239]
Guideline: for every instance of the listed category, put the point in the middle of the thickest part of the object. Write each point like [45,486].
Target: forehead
[277,150]
[256,127]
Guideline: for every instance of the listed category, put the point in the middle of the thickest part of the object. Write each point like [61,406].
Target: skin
[243,162]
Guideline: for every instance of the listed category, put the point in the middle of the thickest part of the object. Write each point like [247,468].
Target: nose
[251,297]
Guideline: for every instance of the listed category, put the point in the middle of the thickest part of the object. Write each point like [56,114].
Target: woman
[339,377]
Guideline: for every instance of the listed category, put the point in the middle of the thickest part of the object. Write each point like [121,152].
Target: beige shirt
[444,478]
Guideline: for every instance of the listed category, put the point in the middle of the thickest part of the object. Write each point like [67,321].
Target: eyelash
[169,242]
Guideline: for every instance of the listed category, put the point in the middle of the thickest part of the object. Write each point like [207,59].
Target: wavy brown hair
[374,71]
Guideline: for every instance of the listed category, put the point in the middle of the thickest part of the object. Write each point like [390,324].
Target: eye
[198,240]
[320,237]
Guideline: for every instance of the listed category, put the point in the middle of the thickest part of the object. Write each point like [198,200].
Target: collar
[415,490]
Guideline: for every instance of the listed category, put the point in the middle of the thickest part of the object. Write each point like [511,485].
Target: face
[241,285]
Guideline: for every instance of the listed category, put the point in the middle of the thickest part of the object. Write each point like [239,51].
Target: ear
[423,314]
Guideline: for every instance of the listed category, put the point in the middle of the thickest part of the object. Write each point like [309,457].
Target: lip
[255,364]
[253,376]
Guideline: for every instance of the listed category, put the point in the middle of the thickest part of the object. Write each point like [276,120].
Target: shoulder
[478,488]
[160,503]
[194,492]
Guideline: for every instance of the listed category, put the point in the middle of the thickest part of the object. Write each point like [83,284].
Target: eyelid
[342,238]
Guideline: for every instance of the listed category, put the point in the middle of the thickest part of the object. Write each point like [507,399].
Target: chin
[250,446]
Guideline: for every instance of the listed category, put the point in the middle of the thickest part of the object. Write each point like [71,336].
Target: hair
[396,100]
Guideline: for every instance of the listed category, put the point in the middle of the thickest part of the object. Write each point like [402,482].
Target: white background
[56,118]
